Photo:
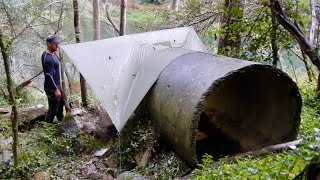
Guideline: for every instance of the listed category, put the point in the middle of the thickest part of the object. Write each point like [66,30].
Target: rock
[104,153]
[111,171]
[107,177]
[94,160]
[186,177]
[72,177]
[111,161]
[94,176]
[100,166]
[91,168]
[5,143]
[105,128]
[41,176]
[77,171]
[69,126]
[104,120]
[6,156]
[78,112]
[28,114]
[142,158]
[75,103]
[130,176]
[88,127]
[60,173]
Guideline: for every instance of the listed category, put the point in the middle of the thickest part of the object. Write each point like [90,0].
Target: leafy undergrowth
[284,165]
[43,150]
[139,136]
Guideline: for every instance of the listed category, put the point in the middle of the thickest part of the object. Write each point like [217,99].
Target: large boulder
[105,128]
[32,113]
[70,126]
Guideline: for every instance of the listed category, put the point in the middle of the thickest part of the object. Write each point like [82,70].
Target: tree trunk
[114,25]
[308,69]
[230,40]
[274,46]
[69,79]
[309,49]
[14,118]
[123,18]
[96,19]
[76,21]
[312,35]
[175,5]
[63,80]
[314,22]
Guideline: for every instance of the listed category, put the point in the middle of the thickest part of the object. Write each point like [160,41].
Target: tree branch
[33,20]
[114,25]
[272,148]
[54,2]
[27,82]
[308,48]
[60,19]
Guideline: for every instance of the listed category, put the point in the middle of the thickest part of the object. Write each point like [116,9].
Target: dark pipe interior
[247,110]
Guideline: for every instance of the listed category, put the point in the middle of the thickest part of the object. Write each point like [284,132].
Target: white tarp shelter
[121,70]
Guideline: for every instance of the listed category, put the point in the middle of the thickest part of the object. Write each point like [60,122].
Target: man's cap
[53,39]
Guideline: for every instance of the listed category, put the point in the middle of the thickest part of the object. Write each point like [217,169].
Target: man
[52,82]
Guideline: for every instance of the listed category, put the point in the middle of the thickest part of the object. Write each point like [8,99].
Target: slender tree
[274,46]
[175,5]
[14,118]
[76,21]
[96,19]
[314,23]
[123,17]
[63,80]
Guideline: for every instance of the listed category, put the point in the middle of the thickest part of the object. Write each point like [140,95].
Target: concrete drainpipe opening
[253,107]
[202,103]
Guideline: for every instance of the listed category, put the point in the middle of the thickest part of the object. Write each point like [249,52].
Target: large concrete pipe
[238,105]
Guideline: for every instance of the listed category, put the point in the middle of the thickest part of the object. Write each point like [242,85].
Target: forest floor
[42,149]
[46,152]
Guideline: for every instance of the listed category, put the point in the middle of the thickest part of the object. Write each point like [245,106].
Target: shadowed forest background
[284,34]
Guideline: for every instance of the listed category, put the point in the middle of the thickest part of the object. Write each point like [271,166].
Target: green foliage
[64,145]
[165,165]
[134,138]
[27,97]
[147,20]
[43,149]
[285,165]
[4,99]
[5,127]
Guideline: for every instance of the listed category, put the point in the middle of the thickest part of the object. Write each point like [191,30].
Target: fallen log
[268,149]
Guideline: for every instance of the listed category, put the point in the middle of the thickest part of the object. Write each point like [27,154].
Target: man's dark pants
[55,107]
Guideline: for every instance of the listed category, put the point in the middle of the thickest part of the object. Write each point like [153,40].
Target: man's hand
[57,93]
